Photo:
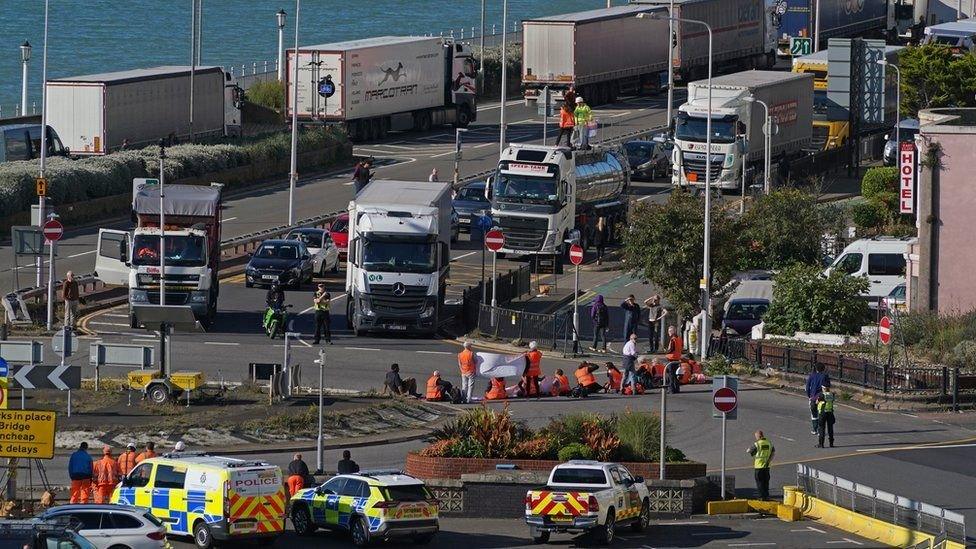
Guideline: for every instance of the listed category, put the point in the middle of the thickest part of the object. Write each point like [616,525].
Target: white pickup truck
[587,497]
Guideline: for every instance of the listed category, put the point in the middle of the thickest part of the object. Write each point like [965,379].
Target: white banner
[499,365]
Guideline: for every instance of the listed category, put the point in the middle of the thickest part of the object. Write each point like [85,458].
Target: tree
[270,94]
[931,76]
[664,245]
[782,228]
[804,300]
[879,213]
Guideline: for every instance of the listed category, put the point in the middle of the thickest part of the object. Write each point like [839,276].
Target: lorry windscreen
[388,256]
[181,251]
[523,188]
[689,128]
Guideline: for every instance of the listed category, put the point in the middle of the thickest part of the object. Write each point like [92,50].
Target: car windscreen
[639,152]
[409,492]
[472,194]
[277,251]
[566,475]
[312,239]
[749,310]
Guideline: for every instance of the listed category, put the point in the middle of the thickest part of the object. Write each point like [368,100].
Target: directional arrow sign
[61,377]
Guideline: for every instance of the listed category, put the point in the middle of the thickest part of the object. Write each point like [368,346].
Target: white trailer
[384,83]
[99,113]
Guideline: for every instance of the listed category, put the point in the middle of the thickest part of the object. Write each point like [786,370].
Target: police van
[208,497]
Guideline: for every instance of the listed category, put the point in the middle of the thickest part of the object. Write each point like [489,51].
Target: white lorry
[543,196]
[399,256]
[99,113]
[737,126]
[585,496]
[387,83]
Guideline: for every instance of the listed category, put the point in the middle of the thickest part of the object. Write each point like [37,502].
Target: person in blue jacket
[80,472]
[817,379]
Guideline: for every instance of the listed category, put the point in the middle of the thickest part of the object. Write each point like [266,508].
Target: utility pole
[501,120]
[162,225]
[293,174]
[193,57]
[43,162]
[320,445]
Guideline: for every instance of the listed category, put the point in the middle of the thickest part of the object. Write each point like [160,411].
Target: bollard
[955,389]
[96,378]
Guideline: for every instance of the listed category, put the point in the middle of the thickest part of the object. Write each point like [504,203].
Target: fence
[548,330]
[881,505]
[511,285]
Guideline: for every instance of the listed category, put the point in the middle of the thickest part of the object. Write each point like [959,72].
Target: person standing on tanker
[583,116]
[567,121]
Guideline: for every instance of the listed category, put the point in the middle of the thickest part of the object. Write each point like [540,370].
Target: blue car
[470,203]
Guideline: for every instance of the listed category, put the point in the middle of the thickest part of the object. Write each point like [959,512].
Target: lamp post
[43,160]
[885,63]
[481,56]
[767,141]
[501,119]
[25,53]
[670,71]
[706,267]
[280,18]
[816,27]
[293,174]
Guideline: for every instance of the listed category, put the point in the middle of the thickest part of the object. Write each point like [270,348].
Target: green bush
[567,429]
[940,338]
[879,180]
[782,228]
[270,94]
[805,300]
[640,436]
[868,215]
[964,354]
[575,450]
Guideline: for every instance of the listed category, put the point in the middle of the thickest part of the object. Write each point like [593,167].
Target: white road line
[492,107]
[919,447]
[483,145]
[753,544]
[305,343]
[228,219]
[816,529]
[377,151]
[786,438]
[340,296]
[463,256]
[909,415]
[526,121]
[82,253]
[625,113]
[116,315]
[221,343]
[442,154]
[838,541]
[849,540]
[434,352]
[397,146]
[362,349]
[643,198]
[685,523]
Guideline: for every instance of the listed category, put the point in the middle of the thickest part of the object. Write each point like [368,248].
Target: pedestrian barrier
[512,284]
[881,505]
[548,330]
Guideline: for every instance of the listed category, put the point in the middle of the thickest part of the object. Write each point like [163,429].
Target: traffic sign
[53,230]
[725,400]
[884,330]
[27,433]
[326,86]
[494,240]
[576,254]
[800,45]
[40,185]
[31,376]
[4,370]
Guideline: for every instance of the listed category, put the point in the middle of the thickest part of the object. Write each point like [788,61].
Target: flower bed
[426,467]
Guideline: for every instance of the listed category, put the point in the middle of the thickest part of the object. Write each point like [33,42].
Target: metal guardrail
[881,505]
[510,325]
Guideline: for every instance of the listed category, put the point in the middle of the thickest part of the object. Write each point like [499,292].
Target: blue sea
[89,36]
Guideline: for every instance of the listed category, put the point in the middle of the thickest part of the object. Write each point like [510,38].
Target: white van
[882,259]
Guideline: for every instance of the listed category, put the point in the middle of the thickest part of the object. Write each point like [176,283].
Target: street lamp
[885,63]
[767,141]
[501,116]
[280,17]
[25,52]
[706,268]
[293,174]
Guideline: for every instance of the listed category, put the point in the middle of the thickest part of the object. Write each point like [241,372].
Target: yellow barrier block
[728,507]
[857,524]
[788,513]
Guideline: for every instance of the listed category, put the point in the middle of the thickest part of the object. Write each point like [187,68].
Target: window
[886,264]
[615,475]
[151,518]
[354,488]
[113,244]
[169,477]
[15,142]
[335,485]
[121,521]
[83,521]
[579,476]
[139,477]
[625,475]
[410,492]
[849,263]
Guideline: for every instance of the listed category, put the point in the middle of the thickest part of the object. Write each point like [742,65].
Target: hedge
[84,179]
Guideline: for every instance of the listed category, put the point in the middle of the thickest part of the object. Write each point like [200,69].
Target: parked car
[325,254]
[471,202]
[111,525]
[23,142]
[649,159]
[895,301]
[287,262]
[881,259]
[40,534]
[746,305]
[339,231]
[908,129]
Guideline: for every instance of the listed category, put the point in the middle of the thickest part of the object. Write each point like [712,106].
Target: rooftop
[368,42]
[948,120]
[119,77]
[596,15]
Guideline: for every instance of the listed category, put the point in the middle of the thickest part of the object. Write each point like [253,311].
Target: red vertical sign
[906,177]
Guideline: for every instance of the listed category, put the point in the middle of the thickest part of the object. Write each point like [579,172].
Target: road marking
[434,352]
[786,438]
[753,544]
[625,113]
[909,415]
[442,154]
[82,253]
[816,529]
[686,523]
[483,145]
[463,256]
[340,296]
[228,219]
[362,349]
[221,343]
[849,540]
[116,315]
[916,447]
[303,342]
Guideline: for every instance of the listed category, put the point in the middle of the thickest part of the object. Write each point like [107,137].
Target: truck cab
[728,141]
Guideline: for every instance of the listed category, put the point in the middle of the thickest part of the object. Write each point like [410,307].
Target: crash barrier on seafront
[881,505]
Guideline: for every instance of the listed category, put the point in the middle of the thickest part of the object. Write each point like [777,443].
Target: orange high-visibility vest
[615,378]
[434,391]
[563,385]
[145,455]
[535,363]
[467,362]
[584,376]
[677,346]
[127,461]
[497,391]
[106,471]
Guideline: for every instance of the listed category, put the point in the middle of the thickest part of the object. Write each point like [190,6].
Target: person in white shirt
[433,176]
[630,364]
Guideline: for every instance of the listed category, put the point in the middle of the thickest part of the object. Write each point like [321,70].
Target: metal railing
[881,505]
[514,325]
[13,110]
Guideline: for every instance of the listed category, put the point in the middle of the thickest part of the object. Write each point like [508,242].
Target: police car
[370,506]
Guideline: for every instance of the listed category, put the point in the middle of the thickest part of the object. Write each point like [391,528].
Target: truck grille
[524,233]
[383,300]
[697,167]
[172,298]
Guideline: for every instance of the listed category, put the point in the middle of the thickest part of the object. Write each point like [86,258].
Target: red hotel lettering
[906,193]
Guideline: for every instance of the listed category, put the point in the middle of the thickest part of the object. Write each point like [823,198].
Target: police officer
[825,417]
[322,302]
[762,453]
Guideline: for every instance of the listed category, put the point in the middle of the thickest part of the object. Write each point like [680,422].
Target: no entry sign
[725,400]
[576,254]
[494,240]
[53,230]
[884,330]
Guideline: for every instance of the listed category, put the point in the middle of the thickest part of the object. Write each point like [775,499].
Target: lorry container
[191,238]
[543,196]
[908,13]
[384,83]
[737,125]
[838,19]
[959,36]
[99,113]
[399,256]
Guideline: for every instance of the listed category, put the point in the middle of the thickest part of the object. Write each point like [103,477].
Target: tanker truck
[543,196]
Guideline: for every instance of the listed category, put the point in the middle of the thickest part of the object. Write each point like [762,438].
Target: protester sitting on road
[614,378]
[586,379]
[560,383]
[346,465]
[496,391]
[438,389]
[646,372]
[297,473]
[399,386]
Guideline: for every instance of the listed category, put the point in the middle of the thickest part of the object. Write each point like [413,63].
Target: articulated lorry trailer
[191,240]
[737,126]
[399,256]
[838,19]
[542,197]
[603,53]
[389,83]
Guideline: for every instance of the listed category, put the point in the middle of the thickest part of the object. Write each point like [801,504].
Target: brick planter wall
[452,468]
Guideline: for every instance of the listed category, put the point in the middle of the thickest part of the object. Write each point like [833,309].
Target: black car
[470,203]
[287,262]
[649,159]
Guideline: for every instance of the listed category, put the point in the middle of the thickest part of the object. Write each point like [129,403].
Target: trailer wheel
[423,122]
[158,393]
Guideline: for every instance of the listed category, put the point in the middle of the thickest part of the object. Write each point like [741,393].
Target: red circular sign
[576,254]
[725,400]
[53,230]
[884,330]
[494,240]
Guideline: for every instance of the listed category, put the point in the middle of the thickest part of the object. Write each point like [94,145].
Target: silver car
[111,525]
[325,254]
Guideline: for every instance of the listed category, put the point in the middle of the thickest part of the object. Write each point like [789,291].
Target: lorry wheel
[158,393]
[202,536]
[424,121]
[643,519]
[606,533]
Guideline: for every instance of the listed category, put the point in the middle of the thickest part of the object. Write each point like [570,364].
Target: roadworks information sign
[27,434]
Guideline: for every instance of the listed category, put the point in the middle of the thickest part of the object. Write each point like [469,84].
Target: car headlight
[428,312]
[729,160]
[138,296]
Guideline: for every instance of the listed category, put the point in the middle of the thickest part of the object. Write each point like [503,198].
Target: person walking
[600,316]
[106,473]
[816,381]
[322,303]
[468,364]
[600,238]
[630,363]
[149,452]
[655,314]
[297,473]
[762,453]
[433,177]
[71,297]
[80,473]
[567,121]
[825,416]
[361,175]
[346,465]
[127,459]
[631,316]
[533,369]
[583,116]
